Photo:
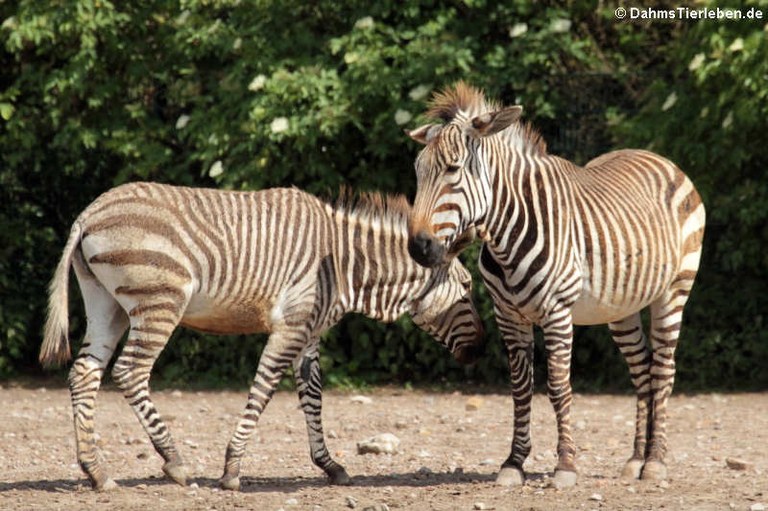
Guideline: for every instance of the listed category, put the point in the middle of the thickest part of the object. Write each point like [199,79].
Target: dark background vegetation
[196,92]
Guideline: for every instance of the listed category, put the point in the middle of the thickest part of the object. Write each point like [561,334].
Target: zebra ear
[493,122]
[424,134]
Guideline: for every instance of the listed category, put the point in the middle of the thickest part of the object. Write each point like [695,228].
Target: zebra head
[452,173]
[445,310]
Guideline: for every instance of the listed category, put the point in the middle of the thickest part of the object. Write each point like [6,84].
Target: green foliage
[249,95]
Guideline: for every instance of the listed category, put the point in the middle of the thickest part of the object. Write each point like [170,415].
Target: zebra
[563,245]
[149,257]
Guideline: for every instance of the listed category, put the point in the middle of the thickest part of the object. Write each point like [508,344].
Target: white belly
[591,310]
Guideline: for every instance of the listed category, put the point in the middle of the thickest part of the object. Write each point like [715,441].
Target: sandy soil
[447,461]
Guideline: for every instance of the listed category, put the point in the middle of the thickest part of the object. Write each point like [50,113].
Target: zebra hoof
[338,476]
[232,483]
[510,476]
[654,471]
[564,479]
[176,471]
[108,485]
[632,469]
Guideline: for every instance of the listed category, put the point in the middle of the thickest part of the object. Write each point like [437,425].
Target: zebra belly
[233,318]
[590,310]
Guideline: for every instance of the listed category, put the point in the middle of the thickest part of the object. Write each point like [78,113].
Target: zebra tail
[55,349]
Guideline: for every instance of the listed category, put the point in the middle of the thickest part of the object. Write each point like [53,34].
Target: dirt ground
[447,461]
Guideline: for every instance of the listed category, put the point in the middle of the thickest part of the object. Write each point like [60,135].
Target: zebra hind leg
[518,339]
[310,386]
[106,324]
[281,349]
[629,337]
[151,325]
[666,319]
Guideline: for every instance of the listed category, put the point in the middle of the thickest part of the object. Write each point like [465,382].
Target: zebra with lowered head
[150,257]
[563,245]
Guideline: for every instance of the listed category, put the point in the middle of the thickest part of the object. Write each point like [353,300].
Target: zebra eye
[453,168]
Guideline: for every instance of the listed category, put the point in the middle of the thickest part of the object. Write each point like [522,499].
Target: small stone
[631,489]
[479,505]
[473,404]
[176,393]
[580,425]
[757,507]
[332,434]
[194,486]
[142,456]
[664,484]
[401,424]
[385,443]
[376,507]
[596,497]
[736,464]
[351,502]
[291,502]
[487,462]
[363,400]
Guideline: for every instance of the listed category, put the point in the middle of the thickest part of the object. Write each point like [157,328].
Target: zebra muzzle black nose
[425,249]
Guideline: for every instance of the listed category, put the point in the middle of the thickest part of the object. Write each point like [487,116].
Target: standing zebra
[564,245]
[149,257]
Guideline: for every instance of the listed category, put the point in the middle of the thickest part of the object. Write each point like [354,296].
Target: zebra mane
[374,206]
[468,102]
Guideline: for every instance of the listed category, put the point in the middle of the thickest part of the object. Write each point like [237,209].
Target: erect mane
[464,99]
[374,206]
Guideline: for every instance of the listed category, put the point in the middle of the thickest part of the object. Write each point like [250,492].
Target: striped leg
[666,319]
[310,385]
[106,324]
[518,338]
[628,335]
[151,325]
[558,341]
[281,350]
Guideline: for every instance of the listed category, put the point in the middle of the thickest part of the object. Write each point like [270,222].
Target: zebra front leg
[310,386]
[281,349]
[666,318]
[629,337]
[558,341]
[518,338]
[146,339]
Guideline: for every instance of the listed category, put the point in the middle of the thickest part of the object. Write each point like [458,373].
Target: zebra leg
[666,318]
[518,338]
[558,341]
[281,349]
[106,324]
[310,386]
[151,325]
[628,335]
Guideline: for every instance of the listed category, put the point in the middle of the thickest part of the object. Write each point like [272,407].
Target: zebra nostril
[425,249]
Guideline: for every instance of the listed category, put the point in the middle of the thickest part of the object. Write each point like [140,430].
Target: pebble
[376,507]
[291,502]
[488,462]
[473,404]
[736,464]
[194,486]
[757,507]
[351,502]
[479,505]
[384,443]
[596,496]
[401,424]
[332,434]
[176,393]
[363,400]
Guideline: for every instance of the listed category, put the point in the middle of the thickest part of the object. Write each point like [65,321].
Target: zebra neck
[375,274]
